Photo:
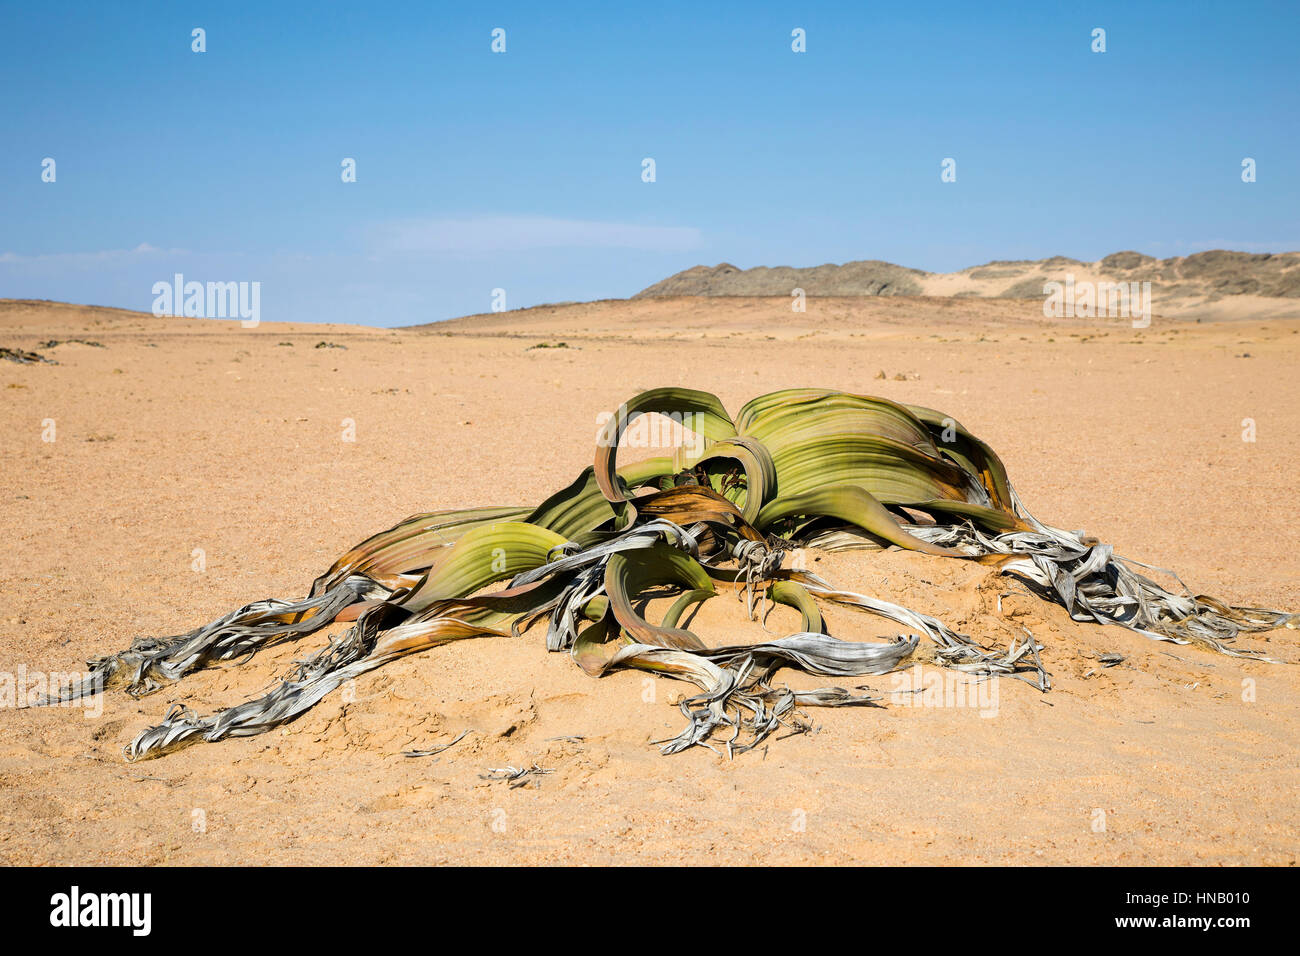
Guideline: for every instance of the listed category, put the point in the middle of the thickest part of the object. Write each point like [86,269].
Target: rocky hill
[1183,284]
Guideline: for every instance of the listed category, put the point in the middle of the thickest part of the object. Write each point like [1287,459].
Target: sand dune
[175,437]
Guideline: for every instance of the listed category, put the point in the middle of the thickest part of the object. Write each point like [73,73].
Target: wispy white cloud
[88,258]
[514,233]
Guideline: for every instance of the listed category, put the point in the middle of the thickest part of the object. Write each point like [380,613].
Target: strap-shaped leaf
[628,574]
[706,416]
[854,505]
[494,552]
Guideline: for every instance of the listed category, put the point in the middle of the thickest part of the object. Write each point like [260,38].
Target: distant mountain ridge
[1182,283]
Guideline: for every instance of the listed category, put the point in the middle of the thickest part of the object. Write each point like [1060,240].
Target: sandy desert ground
[181,434]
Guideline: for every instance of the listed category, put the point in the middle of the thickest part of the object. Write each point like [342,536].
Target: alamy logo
[211,300]
[921,686]
[1070,299]
[21,688]
[650,430]
[74,908]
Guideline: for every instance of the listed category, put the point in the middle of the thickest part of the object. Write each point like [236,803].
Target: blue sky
[522,170]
